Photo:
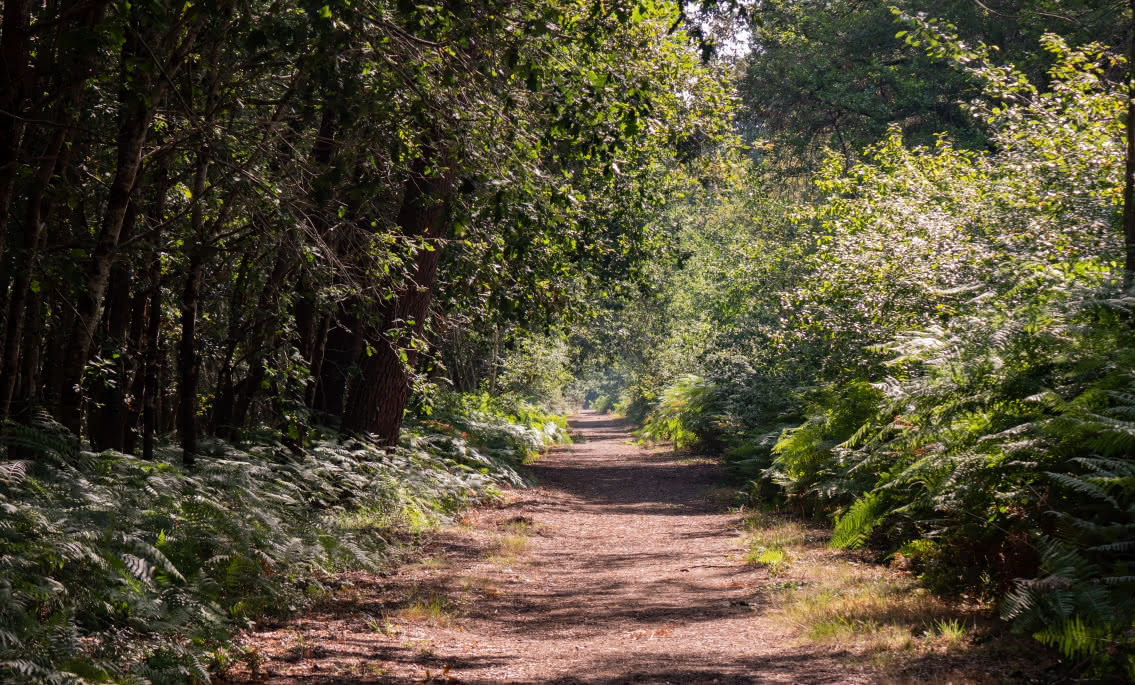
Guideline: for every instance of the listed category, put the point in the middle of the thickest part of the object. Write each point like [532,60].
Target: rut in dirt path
[631,576]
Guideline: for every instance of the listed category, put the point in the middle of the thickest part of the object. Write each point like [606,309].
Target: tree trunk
[131,137]
[134,378]
[187,366]
[108,427]
[147,84]
[31,237]
[1129,181]
[152,362]
[380,394]
[342,351]
[13,91]
[28,392]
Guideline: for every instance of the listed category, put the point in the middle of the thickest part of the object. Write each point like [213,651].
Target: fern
[106,554]
[856,524]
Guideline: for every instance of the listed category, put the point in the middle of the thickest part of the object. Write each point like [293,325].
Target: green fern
[856,524]
[109,554]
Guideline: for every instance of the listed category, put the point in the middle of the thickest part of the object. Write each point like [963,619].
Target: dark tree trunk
[28,392]
[152,363]
[13,91]
[131,137]
[139,101]
[235,398]
[1129,181]
[56,349]
[380,394]
[150,348]
[343,349]
[30,239]
[246,391]
[187,365]
[108,427]
[220,421]
[134,376]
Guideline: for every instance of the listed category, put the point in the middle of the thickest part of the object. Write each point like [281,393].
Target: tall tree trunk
[146,85]
[28,392]
[134,376]
[30,240]
[342,351]
[131,136]
[187,363]
[108,427]
[220,422]
[152,359]
[13,91]
[151,338]
[380,394]
[1129,182]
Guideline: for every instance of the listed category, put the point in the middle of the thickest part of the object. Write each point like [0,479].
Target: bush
[115,568]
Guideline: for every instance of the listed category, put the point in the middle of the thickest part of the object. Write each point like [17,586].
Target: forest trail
[621,566]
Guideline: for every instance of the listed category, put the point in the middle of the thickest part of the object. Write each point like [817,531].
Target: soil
[620,566]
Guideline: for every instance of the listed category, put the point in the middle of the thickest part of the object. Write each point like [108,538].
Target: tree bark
[13,90]
[152,360]
[1129,181]
[131,136]
[187,363]
[108,425]
[31,237]
[140,100]
[379,395]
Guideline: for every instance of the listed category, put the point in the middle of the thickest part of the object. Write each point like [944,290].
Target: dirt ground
[621,566]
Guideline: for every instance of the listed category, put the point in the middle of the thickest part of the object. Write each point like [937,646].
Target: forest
[281,281]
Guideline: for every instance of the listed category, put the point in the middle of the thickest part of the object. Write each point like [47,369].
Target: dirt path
[621,567]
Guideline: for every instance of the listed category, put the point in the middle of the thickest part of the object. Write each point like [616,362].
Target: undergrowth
[936,355]
[116,569]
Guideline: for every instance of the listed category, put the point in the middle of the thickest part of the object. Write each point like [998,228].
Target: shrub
[112,567]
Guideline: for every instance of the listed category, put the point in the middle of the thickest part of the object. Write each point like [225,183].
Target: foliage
[933,353]
[537,369]
[123,569]
[684,415]
[824,74]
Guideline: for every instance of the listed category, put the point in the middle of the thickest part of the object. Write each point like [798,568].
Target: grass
[433,608]
[868,611]
[518,526]
[433,564]
[506,549]
[696,461]
[479,584]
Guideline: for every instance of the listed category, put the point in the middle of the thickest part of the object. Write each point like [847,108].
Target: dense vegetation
[280,280]
[913,319]
[242,244]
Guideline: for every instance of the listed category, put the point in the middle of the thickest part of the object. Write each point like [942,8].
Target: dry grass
[432,564]
[507,549]
[432,608]
[518,525]
[488,587]
[867,610]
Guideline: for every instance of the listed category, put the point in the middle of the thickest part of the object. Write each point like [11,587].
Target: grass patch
[506,549]
[518,525]
[877,615]
[479,584]
[432,607]
[433,564]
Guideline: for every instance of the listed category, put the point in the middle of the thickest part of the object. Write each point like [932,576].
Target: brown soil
[620,567]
